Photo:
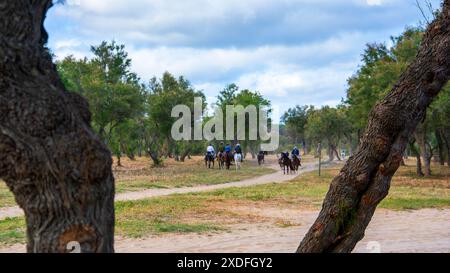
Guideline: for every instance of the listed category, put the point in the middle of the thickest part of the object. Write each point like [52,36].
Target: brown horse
[261,158]
[228,157]
[221,160]
[286,163]
[209,158]
[296,162]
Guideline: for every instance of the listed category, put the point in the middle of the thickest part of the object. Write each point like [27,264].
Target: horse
[296,162]
[209,158]
[286,163]
[227,159]
[261,158]
[238,160]
[221,160]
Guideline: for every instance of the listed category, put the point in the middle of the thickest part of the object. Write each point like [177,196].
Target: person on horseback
[210,151]
[221,148]
[238,151]
[295,152]
[228,149]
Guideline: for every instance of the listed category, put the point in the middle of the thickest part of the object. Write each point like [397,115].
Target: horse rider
[210,151]
[296,153]
[228,149]
[221,148]
[238,150]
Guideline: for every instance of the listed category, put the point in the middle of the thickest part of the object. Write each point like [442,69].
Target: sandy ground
[426,230]
[277,177]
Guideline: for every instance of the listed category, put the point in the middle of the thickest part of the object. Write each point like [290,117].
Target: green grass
[187,176]
[6,197]
[174,214]
[139,175]
[12,231]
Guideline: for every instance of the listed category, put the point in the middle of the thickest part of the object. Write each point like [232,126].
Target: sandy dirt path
[426,230]
[277,177]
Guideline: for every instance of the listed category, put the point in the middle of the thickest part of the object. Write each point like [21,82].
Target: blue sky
[292,51]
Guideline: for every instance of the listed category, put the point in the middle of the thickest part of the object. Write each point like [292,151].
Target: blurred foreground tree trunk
[58,170]
[365,179]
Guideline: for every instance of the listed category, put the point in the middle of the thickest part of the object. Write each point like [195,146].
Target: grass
[6,197]
[12,231]
[139,175]
[215,211]
[161,215]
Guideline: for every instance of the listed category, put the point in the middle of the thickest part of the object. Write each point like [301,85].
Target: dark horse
[261,158]
[296,162]
[227,158]
[209,158]
[221,160]
[286,163]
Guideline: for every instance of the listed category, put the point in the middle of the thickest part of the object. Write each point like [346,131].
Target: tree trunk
[330,153]
[425,153]
[57,168]
[119,157]
[417,155]
[155,158]
[446,135]
[337,153]
[440,146]
[365,179]
[186,153]
[419,171]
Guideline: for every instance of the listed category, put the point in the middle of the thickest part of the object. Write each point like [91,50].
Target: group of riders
[223,149]
[226,153]
[290,164]
[294,154]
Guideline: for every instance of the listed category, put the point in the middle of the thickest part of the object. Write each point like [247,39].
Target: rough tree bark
[365,179]
[59,171]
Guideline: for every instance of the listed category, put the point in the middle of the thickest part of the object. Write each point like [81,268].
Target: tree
[378,74]
[440,122]
[114,93]
[163,95]
[365,179]
[327,124]
[249,98]
[295,120]
[381,68]
[231,95]
[57,168]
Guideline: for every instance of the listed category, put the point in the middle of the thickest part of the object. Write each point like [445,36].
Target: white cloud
[293,51]
[374,2]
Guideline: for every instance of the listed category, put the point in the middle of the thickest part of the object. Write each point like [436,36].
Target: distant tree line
[133,117]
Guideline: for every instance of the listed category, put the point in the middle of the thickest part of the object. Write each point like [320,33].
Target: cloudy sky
[292,51]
